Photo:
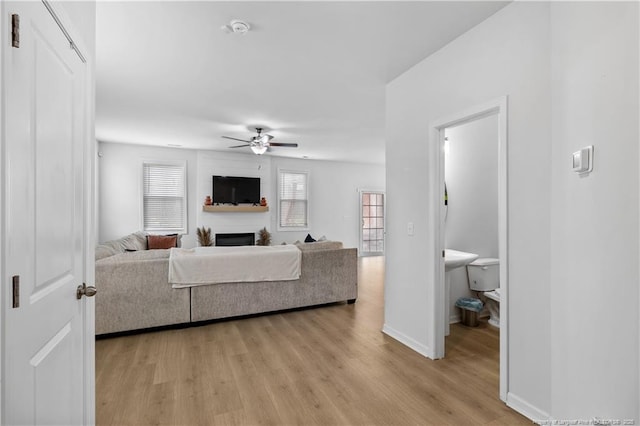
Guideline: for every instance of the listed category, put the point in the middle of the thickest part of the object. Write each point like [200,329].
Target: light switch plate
[582,160]
[410,228]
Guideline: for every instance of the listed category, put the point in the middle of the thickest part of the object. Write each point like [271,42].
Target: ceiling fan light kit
[258,149]
[260,143]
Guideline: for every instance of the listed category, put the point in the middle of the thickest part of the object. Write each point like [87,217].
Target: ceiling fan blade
[291,145]
[239,146]
[236,139]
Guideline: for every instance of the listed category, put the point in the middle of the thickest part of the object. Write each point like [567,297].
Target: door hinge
[15,31]
[16,291]
[442,253]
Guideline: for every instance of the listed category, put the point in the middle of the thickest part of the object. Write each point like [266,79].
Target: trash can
[469,309]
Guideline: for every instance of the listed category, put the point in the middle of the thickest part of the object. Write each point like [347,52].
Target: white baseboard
[408,341]
[523,407]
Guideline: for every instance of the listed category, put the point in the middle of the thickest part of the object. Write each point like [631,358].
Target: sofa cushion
[162,241]
[136,256]
[134,242]
[320,245]
[106,250]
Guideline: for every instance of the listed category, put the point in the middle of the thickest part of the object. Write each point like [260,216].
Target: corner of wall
[523,407]
[423,350]
[508,54]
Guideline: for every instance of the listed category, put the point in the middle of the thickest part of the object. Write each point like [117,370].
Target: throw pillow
[135,241]
[309,239]
[155,242]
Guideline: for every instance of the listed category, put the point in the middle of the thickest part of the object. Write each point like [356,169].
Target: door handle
[84,290]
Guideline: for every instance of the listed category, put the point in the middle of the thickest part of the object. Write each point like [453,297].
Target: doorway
[471,213]
[372,228]
[438,213]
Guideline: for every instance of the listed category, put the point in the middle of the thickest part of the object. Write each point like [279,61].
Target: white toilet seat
[493,295]
[493,305]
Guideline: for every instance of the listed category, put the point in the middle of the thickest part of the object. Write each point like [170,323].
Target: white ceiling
[310,72]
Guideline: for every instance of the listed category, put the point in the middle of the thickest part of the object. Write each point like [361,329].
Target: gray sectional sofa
[134,292]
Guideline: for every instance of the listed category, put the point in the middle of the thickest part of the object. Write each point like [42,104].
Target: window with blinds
[293,200]
[164,197]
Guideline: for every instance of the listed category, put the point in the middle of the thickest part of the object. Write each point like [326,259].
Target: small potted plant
[204,236]
[264,237]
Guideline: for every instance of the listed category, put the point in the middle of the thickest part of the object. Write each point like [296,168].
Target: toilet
[484,277]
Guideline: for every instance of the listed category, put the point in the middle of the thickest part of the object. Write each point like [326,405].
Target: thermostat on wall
[583,160]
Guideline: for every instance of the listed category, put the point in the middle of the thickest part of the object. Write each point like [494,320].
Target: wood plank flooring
[324,366]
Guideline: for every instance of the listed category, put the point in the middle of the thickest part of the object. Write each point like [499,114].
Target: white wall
[570,71]
[120,186]
[594,219]
[333,196]
[508,54]
[471,173]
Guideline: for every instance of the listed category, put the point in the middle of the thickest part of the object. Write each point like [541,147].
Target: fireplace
[244,239]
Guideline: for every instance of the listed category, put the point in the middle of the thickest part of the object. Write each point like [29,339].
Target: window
[293,196]
[372,232]
[164,203]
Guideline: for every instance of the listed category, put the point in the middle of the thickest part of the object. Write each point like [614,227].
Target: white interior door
[45,122]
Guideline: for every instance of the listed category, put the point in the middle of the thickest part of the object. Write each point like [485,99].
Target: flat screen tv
[236,190]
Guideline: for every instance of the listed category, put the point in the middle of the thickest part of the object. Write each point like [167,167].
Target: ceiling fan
[261,143]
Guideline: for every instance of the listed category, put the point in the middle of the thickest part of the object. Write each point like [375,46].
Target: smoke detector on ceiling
[237,27]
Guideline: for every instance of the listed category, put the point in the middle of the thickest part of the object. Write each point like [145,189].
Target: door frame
[384,220]
[89,193]
[497,107]
[3,43]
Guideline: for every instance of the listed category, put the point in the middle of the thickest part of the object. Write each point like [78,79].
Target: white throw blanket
[211,265]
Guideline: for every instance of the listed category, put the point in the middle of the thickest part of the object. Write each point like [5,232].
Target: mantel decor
[235,209]
[264,237]
[204,236]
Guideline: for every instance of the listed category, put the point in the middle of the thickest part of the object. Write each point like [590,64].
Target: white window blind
[164,197]
[293,194]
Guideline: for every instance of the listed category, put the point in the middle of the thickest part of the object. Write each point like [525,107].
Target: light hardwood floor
[324,366]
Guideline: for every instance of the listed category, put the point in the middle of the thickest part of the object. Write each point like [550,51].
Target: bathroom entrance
[471,214]
[470,225]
